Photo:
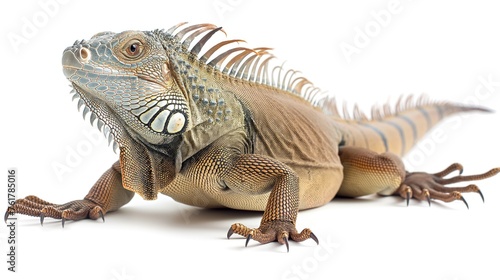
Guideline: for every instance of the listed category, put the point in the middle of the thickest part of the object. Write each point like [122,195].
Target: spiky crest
[250,64]
[253,65]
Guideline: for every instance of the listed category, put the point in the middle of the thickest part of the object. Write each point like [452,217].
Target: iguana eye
[133,48]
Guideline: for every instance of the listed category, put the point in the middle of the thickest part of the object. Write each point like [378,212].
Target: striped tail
[398,130]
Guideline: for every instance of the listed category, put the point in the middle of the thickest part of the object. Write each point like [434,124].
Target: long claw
[101,214]
[248,239]
[408,193]
[481,194]
[6,216]
[42,217]
[286,243]
[427,196]
[230,232]
[313,237]
[63,221]
[463,199]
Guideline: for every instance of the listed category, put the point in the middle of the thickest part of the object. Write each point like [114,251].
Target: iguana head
[126,78]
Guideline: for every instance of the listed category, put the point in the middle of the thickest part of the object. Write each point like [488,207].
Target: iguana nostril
[84,54]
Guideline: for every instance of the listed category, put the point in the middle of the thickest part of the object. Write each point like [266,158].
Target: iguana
[220,128]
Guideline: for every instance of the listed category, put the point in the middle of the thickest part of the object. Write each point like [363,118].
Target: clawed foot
[74,210]
[424,186]
[272,231]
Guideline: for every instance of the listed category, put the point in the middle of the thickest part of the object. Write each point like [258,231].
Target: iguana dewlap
[219,127]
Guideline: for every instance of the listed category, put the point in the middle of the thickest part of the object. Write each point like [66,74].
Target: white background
[443,49]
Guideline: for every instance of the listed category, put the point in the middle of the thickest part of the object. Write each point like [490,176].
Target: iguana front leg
[106,195]
[256,174]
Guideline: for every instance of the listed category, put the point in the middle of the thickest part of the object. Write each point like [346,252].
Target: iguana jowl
[219,129]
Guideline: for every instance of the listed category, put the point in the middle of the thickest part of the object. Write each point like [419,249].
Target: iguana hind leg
[366,172]
[106,195]
[424,186]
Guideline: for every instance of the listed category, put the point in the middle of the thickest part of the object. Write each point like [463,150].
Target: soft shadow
[179,215]
[395,201]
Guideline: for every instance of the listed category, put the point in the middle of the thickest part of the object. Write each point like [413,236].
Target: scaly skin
[216,130]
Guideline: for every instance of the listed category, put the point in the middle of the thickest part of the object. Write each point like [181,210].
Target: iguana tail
[398,130]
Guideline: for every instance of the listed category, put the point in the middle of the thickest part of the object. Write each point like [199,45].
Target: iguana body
[223,130]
